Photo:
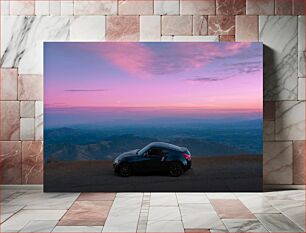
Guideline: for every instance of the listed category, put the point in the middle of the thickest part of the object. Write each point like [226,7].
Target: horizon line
[154,107]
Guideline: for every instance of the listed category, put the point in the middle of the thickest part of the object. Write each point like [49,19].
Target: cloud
[236,47]
[206,79]
[246,67]
[229,70]
[86,90]
[145,60]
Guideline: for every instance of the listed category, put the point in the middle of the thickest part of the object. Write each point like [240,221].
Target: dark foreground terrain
[234,173]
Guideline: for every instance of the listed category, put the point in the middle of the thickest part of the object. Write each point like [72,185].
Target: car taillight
[187,156]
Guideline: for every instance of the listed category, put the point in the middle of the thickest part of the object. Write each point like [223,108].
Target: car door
[153,160]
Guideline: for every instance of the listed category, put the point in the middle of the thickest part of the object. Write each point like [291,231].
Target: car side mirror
[146,154]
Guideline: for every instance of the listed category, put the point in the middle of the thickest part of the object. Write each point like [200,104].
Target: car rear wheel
[125,170]
[175,169]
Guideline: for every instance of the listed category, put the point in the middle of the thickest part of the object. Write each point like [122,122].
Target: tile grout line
[145,205]
[180,211]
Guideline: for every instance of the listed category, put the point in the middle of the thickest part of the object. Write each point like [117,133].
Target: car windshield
[143,150]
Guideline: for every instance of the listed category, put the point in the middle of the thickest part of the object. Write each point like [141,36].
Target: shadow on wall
[270,84]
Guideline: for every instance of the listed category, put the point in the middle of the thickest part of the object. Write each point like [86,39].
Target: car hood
[127,154]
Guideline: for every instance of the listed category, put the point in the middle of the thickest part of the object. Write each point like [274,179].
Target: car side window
[155,152]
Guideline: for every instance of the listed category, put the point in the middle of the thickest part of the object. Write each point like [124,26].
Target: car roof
[167,146]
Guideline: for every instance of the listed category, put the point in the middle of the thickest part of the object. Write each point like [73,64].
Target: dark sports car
[155,157]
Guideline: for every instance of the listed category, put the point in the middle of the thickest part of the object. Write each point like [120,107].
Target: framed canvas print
[153,116]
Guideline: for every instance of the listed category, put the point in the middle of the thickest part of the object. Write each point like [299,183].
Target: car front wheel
[125,170]
[175,169]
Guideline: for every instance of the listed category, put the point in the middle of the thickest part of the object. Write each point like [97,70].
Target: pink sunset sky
[211,76]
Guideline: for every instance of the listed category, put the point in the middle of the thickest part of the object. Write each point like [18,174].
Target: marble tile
[230,7]
[163,199]
[298,7]
[6,194]
[27,109]
[5,7]
[260,7]
[200,25]
[269,110]
[268,130]
[221,25]
[67,7]
[277,223]
[32,162]
[122,218]
[167,7]
[225,38]
[74,229]
[10,152]
[27,129]
[247,28]
[23,217]
[22,7]
[165,226]
[293,195]
[279,35]
[301,46]
[191,7]
[13,196]
[9,120]
[107,7]
[86,213]
[30,87]
[122,28]
[135,7]
[188,209]
[294,210]
[205,217]
[176,25]
[39,226]
[130,195]
[286,205]
[55,8]
[231,209]
[277,163]
[301,88]
[42,7]
[238,225]
[129,201]
[290,120]
[191,199]
[258,205]
[190,38]
[22,40]
[283,7]
[97,197]
[8,210]
[221,196]
[247,194]
[299,162]
[35,200]
[164,213]
[8,88]
[87,28]
[150,28]
[39,120]
[218,230]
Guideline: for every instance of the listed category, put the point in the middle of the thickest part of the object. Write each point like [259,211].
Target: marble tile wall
[26,24]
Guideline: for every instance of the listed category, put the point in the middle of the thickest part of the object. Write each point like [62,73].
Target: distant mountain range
[79,144]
